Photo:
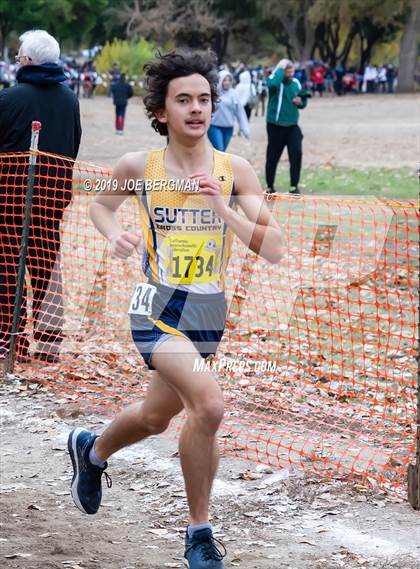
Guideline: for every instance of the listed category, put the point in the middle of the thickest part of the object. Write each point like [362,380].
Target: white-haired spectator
[38,47]
[41,94]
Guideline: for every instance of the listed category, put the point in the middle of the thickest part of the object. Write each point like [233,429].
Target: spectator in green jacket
[285,97]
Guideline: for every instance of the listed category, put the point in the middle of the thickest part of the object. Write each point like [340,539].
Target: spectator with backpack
[121,91]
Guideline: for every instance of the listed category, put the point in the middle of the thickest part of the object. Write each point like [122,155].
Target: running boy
[178,316]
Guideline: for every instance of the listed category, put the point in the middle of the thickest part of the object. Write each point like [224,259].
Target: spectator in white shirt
[370,77]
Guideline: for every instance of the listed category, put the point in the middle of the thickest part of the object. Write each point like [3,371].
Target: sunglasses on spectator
[19,57]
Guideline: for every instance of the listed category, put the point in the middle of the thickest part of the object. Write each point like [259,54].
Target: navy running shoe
[201,551]
[86,486]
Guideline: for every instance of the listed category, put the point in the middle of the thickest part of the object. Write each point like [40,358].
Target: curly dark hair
[177,63]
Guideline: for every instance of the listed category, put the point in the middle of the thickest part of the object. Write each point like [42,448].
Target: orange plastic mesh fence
[318,361]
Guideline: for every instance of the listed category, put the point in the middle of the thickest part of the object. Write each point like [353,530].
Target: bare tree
[292,16]
[193,24]
[143,18]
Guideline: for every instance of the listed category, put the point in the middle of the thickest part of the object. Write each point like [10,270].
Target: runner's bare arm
[258,230]
[103,210]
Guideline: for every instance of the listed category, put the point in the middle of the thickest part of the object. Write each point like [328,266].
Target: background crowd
[318,77]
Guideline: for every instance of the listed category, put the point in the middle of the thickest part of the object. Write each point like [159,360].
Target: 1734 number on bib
[193,258]
[142,299]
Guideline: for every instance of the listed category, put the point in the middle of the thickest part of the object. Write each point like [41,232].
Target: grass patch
[379,182]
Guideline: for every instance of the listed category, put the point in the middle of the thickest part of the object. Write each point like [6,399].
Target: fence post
[10,360]
[414,469]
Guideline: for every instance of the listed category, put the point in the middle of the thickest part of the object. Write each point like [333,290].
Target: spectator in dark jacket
[340,71]
[390,78]
[121,91]
[41,94]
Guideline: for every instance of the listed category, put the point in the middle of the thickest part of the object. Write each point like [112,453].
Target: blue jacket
[121,91]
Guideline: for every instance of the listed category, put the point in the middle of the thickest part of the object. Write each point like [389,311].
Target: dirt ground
[353,131]
[267,519]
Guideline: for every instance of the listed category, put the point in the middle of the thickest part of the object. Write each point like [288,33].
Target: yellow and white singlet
[187,245]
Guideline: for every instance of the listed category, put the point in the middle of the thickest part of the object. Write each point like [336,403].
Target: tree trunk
[362,41]
[408,51]
[335,41]
[309,44]
[320,43]
[343,56]
[220,44]
[290,27]
[282,40]
[373,37]
[365,57]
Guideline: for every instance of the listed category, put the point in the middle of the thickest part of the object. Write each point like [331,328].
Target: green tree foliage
[68,20]
[74,20]
[130,55]
[107,26]
[13,18]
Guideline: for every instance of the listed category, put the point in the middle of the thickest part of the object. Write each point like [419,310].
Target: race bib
[193,258]
[142,299]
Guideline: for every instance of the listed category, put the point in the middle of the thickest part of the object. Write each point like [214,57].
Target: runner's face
[187,106]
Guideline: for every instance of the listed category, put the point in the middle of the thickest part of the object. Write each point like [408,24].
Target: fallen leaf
[249,475]
[35,507]
[158,532]
[330,513]
[252,514]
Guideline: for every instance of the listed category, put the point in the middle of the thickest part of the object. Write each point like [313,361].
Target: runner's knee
[208,415]
[154,423]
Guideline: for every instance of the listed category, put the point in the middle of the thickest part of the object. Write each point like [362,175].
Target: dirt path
[354,131]
[274,520]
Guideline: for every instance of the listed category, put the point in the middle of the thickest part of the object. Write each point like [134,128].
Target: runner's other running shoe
[86,486]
